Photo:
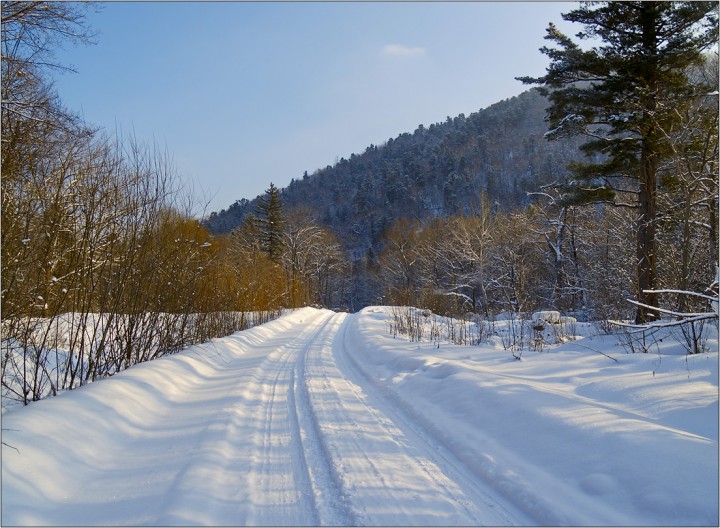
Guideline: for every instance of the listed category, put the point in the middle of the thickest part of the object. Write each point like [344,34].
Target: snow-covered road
[301,422]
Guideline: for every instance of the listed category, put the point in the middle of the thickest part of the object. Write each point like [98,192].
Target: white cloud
[400,50]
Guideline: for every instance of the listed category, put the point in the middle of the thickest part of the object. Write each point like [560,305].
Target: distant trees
[456,264]
[437,171]
[314,261]
[553,256]
[259,281]
[626,96]
[286,258]
[401,262]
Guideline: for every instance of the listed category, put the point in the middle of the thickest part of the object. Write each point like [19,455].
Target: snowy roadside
[323,418]
[569,435]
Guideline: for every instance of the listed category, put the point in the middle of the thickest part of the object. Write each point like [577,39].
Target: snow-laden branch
[683,317]
[458,294]
[666,324]
[663,310]
[683,292]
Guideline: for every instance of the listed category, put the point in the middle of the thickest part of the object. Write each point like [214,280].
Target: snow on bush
[511,331]
[548,316]
[544,330]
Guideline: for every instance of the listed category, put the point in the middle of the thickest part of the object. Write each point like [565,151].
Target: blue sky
[244,94]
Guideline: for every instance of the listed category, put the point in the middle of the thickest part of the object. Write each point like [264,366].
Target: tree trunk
[646,240]
[647,199]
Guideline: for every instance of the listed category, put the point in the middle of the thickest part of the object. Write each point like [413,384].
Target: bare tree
[400,261]
[313,260]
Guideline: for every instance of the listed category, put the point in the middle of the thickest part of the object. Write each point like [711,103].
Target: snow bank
[211,436]
[162,443]
[570,436]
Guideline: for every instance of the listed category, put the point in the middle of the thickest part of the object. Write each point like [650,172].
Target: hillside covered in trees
[436,171]
[477,214]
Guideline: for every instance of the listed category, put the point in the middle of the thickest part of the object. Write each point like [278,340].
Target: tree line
[575,259]
[645,104]
[103,263]
[290,259]
[438,170]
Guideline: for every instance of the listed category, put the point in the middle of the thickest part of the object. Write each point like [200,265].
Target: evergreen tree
[270,222]
[624,95]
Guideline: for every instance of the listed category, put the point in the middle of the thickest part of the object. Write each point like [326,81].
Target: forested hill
[438,170]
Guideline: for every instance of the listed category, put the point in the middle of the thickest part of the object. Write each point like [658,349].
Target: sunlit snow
[323,418]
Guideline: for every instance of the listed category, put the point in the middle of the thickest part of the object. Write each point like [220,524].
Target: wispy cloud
[400,50]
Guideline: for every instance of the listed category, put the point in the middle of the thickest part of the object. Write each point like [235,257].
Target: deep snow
[320,418]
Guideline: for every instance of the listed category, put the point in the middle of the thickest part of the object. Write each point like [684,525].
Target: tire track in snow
[423,463]
[386,476]
[434,459]
[264,471]
[238,471]
[278,483]
[331,504]
[301,470]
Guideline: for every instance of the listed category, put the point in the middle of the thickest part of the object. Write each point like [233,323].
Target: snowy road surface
[318,418]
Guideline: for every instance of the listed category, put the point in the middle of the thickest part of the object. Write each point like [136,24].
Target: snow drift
[320,418]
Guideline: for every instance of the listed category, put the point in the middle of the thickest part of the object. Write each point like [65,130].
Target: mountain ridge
[439,170]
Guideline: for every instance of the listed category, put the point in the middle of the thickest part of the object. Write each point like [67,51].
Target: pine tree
[270,222]
[624,95]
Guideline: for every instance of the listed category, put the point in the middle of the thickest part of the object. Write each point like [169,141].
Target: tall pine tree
[270,222]
[624,94]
